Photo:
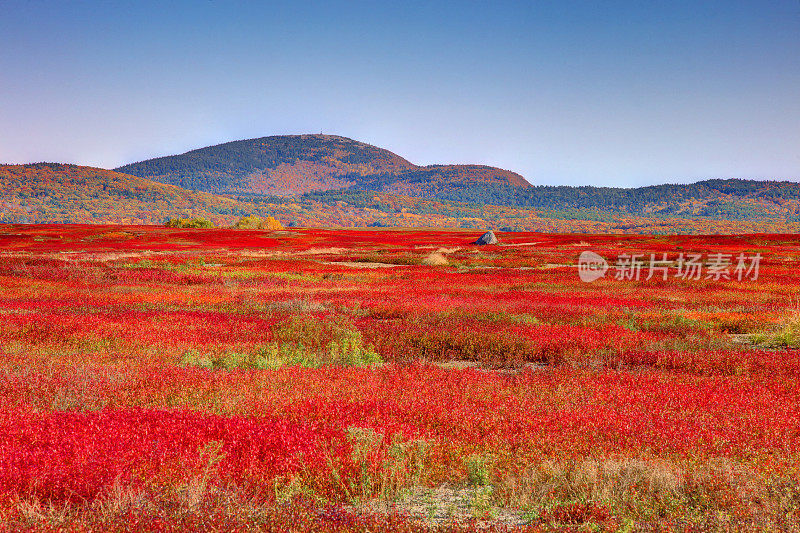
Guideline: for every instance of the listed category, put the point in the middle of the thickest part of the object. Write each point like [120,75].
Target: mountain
[293,165]
[724,199]
[352,208]
[324,180]
[288,165]
[54,192]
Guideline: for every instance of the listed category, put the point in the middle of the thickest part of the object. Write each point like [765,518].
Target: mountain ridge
[323,180]
[294,165]
[287,165]
[65,192]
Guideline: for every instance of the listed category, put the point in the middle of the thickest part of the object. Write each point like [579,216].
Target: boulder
[487,238]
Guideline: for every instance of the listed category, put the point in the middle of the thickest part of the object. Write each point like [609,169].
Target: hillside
[728,199]
[48,192]
[321,180]
[278,165]
[293,165]
[440,181]
[288,165]
[350,208]
[52,192]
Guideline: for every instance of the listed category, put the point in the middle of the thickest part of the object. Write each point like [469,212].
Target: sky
[566,92]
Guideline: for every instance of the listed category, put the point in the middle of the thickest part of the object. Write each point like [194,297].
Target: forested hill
[730,199]
[288,165]
[293,165]
[51,192]
[279,165]
[54,192]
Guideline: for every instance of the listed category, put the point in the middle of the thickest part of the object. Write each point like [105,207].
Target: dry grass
[401,467]
[435,259]
[786,334]
[118,500]
[719,493]
[113,509]
[36,512]
[198,488]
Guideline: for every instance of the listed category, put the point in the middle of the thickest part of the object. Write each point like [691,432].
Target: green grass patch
[301,341]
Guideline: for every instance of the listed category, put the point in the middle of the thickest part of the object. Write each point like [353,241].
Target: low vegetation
[302,341]
[256,222]
[189,223]
[153,379]
[784,335]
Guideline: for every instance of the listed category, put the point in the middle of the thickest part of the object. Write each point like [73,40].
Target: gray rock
[487,238]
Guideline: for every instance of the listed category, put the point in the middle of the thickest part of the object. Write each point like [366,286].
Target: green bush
[189,223]
[477,470]
[300,341]
[787,335]
[349,350]
[256,222]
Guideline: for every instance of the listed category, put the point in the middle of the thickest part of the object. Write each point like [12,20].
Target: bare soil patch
[357,264]
[450,504]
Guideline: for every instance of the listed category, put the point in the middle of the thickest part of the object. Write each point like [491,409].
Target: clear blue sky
[563,92]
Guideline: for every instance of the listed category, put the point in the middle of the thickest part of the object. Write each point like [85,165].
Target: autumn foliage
[500,376]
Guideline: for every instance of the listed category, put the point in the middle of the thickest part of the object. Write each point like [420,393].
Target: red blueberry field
[158,379]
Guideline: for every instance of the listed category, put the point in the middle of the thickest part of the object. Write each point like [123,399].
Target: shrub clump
[189,223]
[787,335]
[256,222]
[477,470]
[300,341]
